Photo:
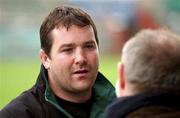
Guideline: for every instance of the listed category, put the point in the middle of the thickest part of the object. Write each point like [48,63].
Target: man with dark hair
[149,77]
[69,84]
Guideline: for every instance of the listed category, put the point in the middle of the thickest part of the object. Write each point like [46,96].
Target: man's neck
[75,97]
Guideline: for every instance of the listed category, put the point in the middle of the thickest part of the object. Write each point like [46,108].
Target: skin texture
[73,62]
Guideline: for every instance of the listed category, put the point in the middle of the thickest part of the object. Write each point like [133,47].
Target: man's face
[74,61]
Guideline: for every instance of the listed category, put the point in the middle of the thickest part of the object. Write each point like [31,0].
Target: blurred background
[116,21]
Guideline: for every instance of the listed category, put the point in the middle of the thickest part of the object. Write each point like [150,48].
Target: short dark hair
[63,16]
[152,60]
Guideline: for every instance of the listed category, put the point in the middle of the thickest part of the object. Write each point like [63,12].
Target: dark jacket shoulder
[21,108]
[124,106]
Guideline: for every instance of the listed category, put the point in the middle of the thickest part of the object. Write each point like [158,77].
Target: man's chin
[82,88]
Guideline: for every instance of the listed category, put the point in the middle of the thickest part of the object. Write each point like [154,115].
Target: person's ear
[121,76]
[44,59]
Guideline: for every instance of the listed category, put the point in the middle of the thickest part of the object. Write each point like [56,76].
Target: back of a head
[152,61]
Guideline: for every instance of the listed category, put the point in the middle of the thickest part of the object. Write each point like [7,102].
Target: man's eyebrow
[67,45]
[90,42]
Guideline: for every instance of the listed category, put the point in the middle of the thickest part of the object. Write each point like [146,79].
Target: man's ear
[44,59]
[121,76]
[120,84]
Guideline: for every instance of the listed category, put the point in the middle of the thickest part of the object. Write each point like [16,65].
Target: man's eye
[90,46]
[67,50]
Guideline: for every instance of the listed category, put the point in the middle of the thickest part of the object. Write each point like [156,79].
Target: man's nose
[80,56]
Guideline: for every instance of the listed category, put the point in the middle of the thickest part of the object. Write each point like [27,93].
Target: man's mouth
[83,71]
[81,74]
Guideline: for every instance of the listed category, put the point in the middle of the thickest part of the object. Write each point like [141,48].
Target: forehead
[72,34]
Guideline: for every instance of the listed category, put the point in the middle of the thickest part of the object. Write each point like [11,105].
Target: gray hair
[152,60]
